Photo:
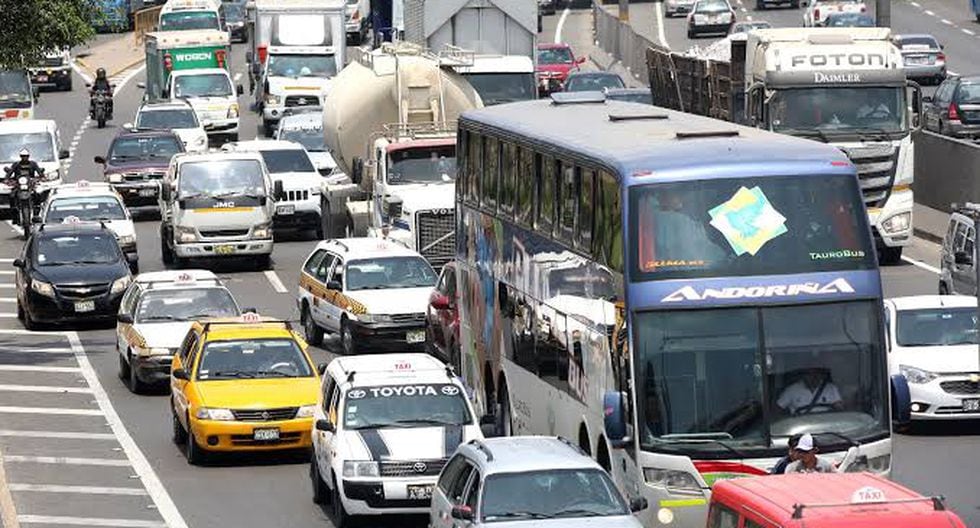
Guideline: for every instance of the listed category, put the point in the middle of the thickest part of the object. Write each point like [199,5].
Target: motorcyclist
[101,85]
[23,167]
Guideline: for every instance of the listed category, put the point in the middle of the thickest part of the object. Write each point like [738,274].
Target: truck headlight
[899,222]
[306,411]
[115,178]
[672,479]
[120,285]
[262,230]
[360,468]
[185,234]
[233,111]
[42,288]
[726,17]
[218,415]
[272,99]
[916,375]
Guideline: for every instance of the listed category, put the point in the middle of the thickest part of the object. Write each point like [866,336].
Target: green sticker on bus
[748,220]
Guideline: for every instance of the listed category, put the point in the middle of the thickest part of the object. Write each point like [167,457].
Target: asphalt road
[114,458]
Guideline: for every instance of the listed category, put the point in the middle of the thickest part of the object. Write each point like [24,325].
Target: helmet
[24,153]
[100,73]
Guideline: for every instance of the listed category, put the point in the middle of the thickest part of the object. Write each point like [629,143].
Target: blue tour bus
[676,294]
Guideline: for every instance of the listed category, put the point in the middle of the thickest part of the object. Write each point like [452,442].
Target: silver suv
[957,274]
[529,480]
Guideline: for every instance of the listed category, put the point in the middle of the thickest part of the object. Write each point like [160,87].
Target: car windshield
[499,88]
[323,66]
[555,56]
[844,110]
[167,119]
[14,86]
[850,20]
[389,272]
[39,144]
[712,6]
[968,93]
[550,494]
[918,42]
[590,82]
[253,358]
[414,405]
[202,85]
[85,208]
[644,97]
[748,226]
[221,178]
[77,249]
[936,327]
[436,164]
[287,160]
[310,137]
[185,304]
[719,379]
[144,148]
[181,20]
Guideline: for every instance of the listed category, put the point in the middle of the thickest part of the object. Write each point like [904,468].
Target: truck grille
[876,166]
[82,291]
[412,468]
[223,233]
[302,100]
[960,387]
[437,236]
[297,196]
[264,415]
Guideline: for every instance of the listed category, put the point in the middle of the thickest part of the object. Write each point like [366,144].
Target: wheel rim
[348,340]
[308,325]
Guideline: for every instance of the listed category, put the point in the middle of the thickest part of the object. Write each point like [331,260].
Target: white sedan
[933,343]
[817,10]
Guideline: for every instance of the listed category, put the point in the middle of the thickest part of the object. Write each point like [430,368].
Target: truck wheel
[263,262]
[891,255]
[268,128]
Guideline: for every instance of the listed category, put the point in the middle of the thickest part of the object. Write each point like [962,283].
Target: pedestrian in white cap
[807,460]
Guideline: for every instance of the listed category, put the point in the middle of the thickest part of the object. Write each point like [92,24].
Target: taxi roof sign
[82,184]
[251,317]
[185,278]
[868,494]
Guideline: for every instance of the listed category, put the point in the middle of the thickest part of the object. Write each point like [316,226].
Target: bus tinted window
[547,195]
[525,187]
[508,181]
[568,201]
[474,158]
[586,202]
[748,226]
[608,245]
[491,172]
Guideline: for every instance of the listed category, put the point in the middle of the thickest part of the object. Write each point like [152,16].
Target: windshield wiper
[810,132]
[233,374]
[705,438]
[520,514]
[160,318]
[423,421]
[272,373]
[579,512]
[874,133]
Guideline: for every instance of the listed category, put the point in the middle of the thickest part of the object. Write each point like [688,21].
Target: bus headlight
[899,222]
[671,479]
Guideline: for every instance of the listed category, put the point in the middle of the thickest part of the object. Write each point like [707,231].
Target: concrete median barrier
[946,170]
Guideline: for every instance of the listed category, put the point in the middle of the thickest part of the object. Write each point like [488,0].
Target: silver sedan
[922,57]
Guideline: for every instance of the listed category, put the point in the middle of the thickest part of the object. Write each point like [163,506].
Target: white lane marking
[44,388]
[129,77]
[967,31]
[88,521]
[68,461]
[661,34]
[10,409]
[561,24]
[31,368]
[7,260]
[17,229]
[742,9]
[7,286]
[951,72]
[923,265]
[930,13]
[748,17]
[6,272]
[276,283]
[8,315]
[165,505]
[81,73]
[916,4]
[86,490]
[64,435]
[8,299]
[238,77]
[947,22]
[51,350]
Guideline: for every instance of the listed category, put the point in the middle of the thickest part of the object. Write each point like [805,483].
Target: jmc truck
[842,86]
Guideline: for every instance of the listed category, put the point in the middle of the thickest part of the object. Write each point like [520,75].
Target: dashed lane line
[947,22]
[968,31]
[44,388]
[89,521]
[922,265]
[86,490]
[39,350]
[63,435]
[930,13]
[32,368]
[68,461]
[561,24]
[9,409]
[276,282]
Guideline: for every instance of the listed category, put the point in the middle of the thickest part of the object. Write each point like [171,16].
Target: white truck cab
[214,97]
[294,77]
[501,79]
[216,205]
[18,95]
[181,15]
[43,140]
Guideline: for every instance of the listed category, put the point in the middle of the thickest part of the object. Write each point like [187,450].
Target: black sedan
[70,273]
[235,21]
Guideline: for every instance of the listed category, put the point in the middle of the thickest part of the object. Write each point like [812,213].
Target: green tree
[32,27]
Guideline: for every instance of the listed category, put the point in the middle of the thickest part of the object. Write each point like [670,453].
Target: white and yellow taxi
[155,314]
[85,201]
[370,291]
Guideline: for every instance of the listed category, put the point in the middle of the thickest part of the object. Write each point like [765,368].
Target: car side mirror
[439,301]
[207,124]
[124,318]
[181,374]
[462,512]
[132,258]
[63,154]
[488,425]
[580,60]
[100,160]
[926,98]
[165,191]
[639,504]
[18,263]
[321,368]
[278,192]
[334,285]
[37,92]
[240,89]
[141,85]
[325,426]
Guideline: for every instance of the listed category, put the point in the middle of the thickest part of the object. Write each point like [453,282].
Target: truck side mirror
[100,160]
[165,191]
[357,171]
[63,154]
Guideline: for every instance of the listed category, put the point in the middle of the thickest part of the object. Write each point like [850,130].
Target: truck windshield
[748,226]
[845,110]
[422,165]
[745,375]
[291,160]
[167,119]
[202,85]
[221,178]
[15,87]
[183,20]
[310,137]
[498,88]
[86,208]
[143,148]
[39,144]
[322,66]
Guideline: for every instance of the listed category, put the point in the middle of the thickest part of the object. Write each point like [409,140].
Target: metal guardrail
[619,40]
[145,21]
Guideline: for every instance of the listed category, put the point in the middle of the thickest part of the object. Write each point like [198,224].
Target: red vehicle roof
[552,45]
[832,501]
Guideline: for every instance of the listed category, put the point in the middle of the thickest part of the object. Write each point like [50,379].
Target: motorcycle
[23,190]
[100,107]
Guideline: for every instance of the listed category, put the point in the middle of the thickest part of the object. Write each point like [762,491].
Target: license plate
[285,209]
[42,78]
[419,491]
[265,434]
[148,192]
[85,306]
[971,405]
[224,250]
[415,336]
[918,60]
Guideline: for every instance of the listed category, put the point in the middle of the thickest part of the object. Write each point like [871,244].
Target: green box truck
[169,51]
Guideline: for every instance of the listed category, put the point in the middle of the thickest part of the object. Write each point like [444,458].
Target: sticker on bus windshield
[748,220]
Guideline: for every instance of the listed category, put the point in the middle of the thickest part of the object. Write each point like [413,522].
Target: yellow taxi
[242,384]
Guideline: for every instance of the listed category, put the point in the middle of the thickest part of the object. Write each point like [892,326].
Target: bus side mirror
[614,409]
[901,400]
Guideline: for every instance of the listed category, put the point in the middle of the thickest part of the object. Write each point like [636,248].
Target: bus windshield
[748,226]
[839,110]
[716,379]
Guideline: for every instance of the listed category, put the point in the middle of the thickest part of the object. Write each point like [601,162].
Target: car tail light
[941,57]
[263,53]
[816,14]
[168,62]
[11,114]
[954,112]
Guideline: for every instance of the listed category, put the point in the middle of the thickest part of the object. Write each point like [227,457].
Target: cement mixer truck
[390,124]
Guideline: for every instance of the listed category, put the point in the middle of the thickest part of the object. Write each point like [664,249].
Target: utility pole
[624,11]
[883,13]
[973,210]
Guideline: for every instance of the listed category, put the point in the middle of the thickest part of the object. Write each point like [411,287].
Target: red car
[555,62]
[442,319]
